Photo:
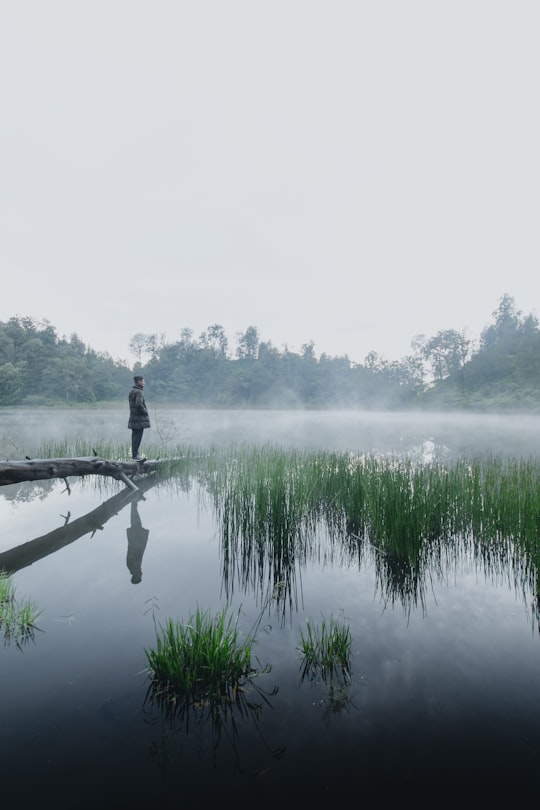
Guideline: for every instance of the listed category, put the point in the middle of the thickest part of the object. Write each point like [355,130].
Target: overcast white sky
[348,172]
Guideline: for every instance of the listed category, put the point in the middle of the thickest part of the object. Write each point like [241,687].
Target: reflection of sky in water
[453,683]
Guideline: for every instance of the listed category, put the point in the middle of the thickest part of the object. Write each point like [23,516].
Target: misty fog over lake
[344,431]
[445,679]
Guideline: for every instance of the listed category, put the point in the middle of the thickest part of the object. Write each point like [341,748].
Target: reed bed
[83,448]
[275,505]
[278,507]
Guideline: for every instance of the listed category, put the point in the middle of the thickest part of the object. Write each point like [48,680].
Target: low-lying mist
[24,431]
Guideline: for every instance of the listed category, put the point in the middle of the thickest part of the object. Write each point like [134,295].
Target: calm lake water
[445,686]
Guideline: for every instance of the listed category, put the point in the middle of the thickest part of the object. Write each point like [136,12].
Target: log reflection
[28,553]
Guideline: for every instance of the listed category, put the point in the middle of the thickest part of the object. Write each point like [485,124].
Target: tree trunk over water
[38,469]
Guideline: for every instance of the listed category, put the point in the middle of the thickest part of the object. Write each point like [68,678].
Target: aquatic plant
[17,618]
[275,505]
[205,658]
[77,447]
[325,648]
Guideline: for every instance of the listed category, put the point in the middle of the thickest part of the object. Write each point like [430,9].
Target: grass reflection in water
[201,670]
[277,508]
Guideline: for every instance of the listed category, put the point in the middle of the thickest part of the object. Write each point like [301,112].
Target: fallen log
[38,469]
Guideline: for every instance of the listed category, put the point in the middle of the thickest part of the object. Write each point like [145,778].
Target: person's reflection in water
[137,539]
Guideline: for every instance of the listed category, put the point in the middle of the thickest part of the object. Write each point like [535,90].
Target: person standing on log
[138,416]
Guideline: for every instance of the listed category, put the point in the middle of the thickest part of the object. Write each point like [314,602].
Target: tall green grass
[83,448]
[274,505]
[204,659]
[326,648]
[278,507]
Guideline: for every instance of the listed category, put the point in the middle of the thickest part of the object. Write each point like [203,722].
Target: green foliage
[12,384]
[37,367]
[447,352]
[272,505]
[202,659]
[17,618]
[326,648]
[504,375]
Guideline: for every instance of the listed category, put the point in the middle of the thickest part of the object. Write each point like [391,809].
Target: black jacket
[138,412]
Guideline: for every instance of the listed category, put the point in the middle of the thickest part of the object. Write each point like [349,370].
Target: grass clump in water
[201,660]
[326,648]
[17,619]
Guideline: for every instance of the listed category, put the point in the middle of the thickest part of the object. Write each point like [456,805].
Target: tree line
[502,372]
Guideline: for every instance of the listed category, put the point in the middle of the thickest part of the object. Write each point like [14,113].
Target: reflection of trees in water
[29,490]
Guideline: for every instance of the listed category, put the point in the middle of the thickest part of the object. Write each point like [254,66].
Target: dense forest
[446,371]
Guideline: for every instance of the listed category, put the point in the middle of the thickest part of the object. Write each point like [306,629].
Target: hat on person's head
[138,378]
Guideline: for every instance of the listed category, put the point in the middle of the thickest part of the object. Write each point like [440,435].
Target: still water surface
[445,687]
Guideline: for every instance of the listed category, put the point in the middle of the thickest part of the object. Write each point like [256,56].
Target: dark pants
[136,439]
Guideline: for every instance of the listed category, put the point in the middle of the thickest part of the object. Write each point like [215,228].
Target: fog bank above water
[24,431]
